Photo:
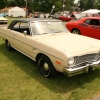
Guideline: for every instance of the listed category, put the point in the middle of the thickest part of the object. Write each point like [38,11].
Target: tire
[46,67]
[8,47]
[76,31]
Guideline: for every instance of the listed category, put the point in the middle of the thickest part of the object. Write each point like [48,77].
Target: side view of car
[56,15]
[88,26]
[52,46]
[64,18]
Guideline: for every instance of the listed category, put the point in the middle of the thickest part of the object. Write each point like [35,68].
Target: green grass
[10,19]
[21,80]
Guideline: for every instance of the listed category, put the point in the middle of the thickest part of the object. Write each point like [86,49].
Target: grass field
[21,80]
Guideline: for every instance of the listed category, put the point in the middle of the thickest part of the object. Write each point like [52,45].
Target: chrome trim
[23,53]
[83,69]
[88,58]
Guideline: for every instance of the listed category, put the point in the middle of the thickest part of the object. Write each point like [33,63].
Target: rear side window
[21,25]
[95,22]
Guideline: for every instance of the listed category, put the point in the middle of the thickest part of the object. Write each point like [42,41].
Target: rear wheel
[8,47]
[76,31]
[46,67]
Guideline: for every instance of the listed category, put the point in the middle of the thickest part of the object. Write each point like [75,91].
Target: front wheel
[76,31]
[46,67]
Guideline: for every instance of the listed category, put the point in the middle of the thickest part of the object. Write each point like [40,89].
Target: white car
[3,20]
[52,46]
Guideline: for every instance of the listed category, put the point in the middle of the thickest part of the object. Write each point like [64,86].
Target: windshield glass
[39,28]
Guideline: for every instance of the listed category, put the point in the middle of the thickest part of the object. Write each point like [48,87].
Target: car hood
[69,42]
[2,18]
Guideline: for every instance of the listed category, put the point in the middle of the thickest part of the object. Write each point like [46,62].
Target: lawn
[21,80]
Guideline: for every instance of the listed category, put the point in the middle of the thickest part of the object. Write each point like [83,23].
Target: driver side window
[94,22]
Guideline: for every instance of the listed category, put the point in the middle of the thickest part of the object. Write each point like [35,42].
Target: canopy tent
[90,12]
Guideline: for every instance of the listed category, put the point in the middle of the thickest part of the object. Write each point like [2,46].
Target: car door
[23,41]
[91,28]
[94,29]
[84,27]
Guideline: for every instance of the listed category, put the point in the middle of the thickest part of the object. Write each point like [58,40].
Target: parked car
[57,15]
[51,15]
[64,18]
[3,20]
[2,15]
[87,26]
[36,14]
[52,46]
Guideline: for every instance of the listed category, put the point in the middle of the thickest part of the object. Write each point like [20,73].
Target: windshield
[39,28]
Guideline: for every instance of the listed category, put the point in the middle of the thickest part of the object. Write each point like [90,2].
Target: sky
[76,1]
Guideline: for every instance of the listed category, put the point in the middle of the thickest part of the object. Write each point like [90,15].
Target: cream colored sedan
[52,46]
[3,20]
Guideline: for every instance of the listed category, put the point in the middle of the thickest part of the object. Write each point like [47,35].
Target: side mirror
[25,33]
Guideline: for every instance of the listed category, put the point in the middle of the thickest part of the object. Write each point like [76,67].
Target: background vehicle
[88,26]
[65,18]
[3,20]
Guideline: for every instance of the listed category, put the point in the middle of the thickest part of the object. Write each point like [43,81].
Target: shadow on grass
[59,84]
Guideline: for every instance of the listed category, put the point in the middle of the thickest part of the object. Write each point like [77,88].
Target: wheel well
[6,41]
[76,29]
[40,54]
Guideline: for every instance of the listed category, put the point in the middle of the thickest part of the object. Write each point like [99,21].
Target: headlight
[71,61]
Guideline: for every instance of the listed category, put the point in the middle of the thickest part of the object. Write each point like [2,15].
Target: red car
[64,18]
[88,26]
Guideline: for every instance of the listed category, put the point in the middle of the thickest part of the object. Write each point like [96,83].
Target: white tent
[90,12]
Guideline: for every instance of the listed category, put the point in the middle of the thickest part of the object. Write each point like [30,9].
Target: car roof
[85,18]
[30,20]
[36,19]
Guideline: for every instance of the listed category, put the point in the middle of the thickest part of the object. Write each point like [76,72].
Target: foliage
[46,5]
[88,4]
[39,5]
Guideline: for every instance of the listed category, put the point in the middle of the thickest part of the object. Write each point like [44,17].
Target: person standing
[98,14]
[44,15]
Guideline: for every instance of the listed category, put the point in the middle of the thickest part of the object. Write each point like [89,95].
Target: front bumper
[83,69]
[3,21]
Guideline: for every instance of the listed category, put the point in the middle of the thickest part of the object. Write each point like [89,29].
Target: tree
[2,4]
[88,4]
[81,4]
[39,5]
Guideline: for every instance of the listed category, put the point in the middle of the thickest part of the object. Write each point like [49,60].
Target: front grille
[87,58]
[80,65]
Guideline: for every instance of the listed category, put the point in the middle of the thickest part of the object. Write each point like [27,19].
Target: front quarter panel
[57,57]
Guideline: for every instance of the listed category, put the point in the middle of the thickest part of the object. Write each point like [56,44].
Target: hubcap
[75,32]
[46,67]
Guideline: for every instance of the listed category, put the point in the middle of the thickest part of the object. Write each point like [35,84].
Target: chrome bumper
[83,69]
